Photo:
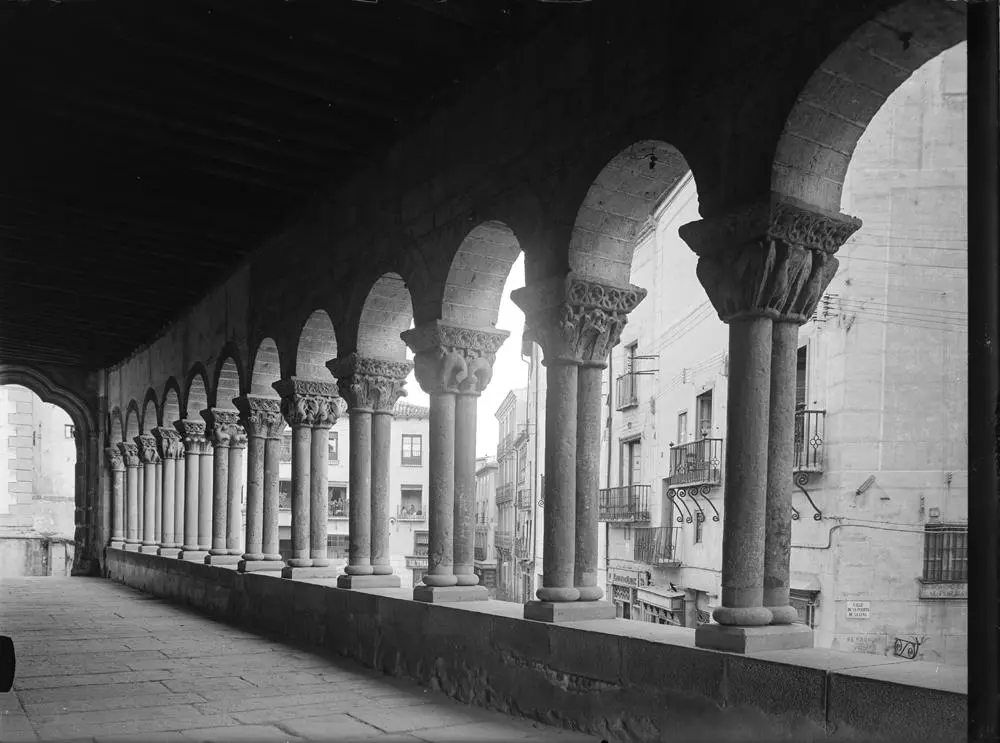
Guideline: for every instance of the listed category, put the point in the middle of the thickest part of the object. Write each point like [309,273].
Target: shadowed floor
[99,661]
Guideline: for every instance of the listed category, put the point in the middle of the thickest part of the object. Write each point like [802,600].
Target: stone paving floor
[99,661]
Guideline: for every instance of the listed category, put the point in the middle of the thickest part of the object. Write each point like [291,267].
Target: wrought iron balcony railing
[809,436]
[411,513]
[696,463]
[627,503]
[504,539]
[522,546]
[627,391]
[479,553]
[656,545]
[505,494]
[524,498]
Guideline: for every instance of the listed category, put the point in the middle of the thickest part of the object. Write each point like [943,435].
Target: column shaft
[220,505]
[205,479]
[270,535]
[180,479]
[132,498]
[559,545]
[319,500]
[118,506]
[256,446]
[141,501]
[192,461]
[360,514]
[234,515]
[746,474]
[440,557]
[588,476]
[301,443]
[169,473]
[465,489]
[381,452]
[149,504]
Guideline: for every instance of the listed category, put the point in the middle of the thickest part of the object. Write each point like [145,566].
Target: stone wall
[622,680]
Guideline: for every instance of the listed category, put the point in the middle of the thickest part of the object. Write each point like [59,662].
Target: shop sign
[859,609]
[634,579]
[416,562]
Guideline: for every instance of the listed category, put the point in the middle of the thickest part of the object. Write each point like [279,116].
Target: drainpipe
[984,408]
[607,475]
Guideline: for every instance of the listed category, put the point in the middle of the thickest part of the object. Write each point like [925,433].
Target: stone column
[445,354]
[576,320]
[319,506]
[158,499]
[234,511]
[146,445]
[272,463]
[179,486]
[130,456]
[171,449]
[762,267]
[371,387]
[307,404]
[206,478]
[116,468]
[193,438]
[222,426]
[261,418]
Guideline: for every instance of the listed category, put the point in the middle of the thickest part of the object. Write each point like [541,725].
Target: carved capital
[130,453]
[223,426]
[370,383]
[116,462]
[146,445]
[193,435]
[170,443]
[576,319]
[453,358]
[260,416]
[308,402]
[769,259]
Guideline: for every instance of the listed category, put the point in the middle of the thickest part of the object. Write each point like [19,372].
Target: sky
[509,371]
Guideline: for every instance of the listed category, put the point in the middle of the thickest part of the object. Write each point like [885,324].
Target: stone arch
[617,205]
[228,381]
[387,311]
[317,344]
[266,369]
[196,392]
[848,88]
[478,272]
[171,410]
[50,392]
[133,425]
[150,412]
[116,429]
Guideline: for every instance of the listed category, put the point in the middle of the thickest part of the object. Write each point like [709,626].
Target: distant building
[408,488]
[511,474]
[485,547]
[879,541]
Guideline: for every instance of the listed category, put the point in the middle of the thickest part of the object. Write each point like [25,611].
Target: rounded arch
[50,392]
[474,286]
[133,425]
[387,311]
[171,410]
[196,392]
[228,379]
[116,429]
[618,204]
[150,412]
[317,344]
[848,88]
[266,369]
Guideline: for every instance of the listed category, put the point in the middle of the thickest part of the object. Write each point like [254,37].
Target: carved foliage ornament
[170,443]
[260,416]
[308,402]
[130,453]
[193,434]
[370,383]
[224,427]
[146,444]
[768,260]
[115,461]
[453,358]
[576,319]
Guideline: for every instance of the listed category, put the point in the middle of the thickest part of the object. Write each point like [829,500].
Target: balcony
[479,553]
[505,494]
[656,545]
[696,463]
[524,499]
[624,504]
[411,513]
[504,540]
[809,434]
[627,391]
[522,547]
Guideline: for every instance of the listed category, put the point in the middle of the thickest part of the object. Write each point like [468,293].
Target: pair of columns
[223,507]
[576,320]
[453,365]
[371,387]
[764,268]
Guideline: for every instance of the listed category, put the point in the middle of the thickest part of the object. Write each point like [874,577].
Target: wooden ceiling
[148,146]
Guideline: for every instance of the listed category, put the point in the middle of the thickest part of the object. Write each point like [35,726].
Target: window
[337,501]
[699,527]
[632,462]
[412,450]
[286,445]
[704,413]
[70,431]
[682,428]
[337,545]
[333,450]
[946,553]
[421,542]
[801,375]
[285,494]
[630,352]
[411,501]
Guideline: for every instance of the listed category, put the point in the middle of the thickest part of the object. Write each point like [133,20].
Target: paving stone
[127,701]
[181,683]
[89,679]
[422,716]
[488,732]
[282,706]
[63,731]
[251,733]
[331,727]
[89,692]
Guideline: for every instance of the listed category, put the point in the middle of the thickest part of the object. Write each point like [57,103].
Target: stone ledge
[614,678]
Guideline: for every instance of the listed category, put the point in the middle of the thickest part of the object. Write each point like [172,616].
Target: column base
[132,547]
[290,571]
[368,581]
[753,639]
[194,555]
[449,594]
[149,549]
[117,544]
[568,611]
[211,559]
[234,551]
[260,566]
[172,552]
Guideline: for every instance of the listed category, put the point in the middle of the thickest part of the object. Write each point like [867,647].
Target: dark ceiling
[147,147]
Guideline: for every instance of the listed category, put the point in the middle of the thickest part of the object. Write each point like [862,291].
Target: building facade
[486,512]
[408,483]
[511,469]
[879,494]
